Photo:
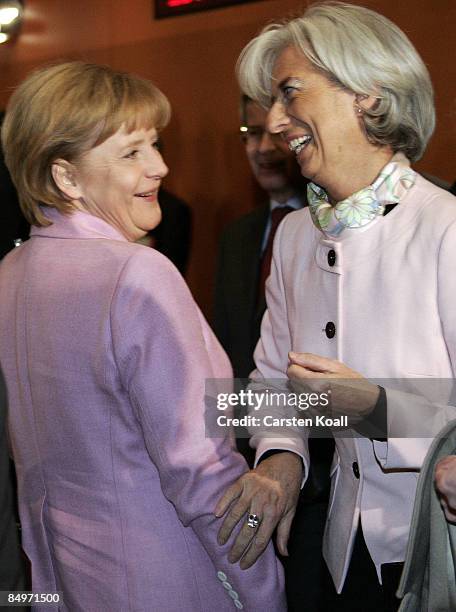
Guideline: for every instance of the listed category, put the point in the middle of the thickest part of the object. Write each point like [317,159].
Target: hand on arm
[271,492]
[445,483]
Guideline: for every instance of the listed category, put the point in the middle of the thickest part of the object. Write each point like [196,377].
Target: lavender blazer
[105,355]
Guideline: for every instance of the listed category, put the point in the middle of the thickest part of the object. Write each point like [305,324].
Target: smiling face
[320,123]
[269,158]
[118,181]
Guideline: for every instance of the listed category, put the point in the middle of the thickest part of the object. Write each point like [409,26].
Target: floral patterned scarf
[364,206]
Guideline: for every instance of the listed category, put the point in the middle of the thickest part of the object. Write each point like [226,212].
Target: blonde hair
[63,111]
[359,50]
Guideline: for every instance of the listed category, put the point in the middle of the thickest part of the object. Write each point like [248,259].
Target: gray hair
[361,51]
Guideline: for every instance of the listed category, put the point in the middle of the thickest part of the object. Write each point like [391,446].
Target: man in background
[243,265]
[244,254]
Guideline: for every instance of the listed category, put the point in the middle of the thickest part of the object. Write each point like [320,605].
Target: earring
[358,110]
[358,99]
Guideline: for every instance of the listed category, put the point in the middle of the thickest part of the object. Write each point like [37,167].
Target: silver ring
[253,521]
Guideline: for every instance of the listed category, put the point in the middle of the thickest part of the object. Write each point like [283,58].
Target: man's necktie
[277,214]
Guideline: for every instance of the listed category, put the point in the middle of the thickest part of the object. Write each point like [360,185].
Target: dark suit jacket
[173,235]
[12,222]
[237,312]
[237,321]
[11,564]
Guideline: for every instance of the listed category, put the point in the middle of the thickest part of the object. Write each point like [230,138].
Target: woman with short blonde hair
[63,111]
[105,355]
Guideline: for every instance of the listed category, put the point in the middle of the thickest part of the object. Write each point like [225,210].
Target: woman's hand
[351,393]
[445,483]
[271,492]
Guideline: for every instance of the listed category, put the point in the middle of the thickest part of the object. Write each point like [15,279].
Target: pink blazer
[105,356]
[391,295]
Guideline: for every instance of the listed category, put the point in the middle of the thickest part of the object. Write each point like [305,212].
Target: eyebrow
[138,142]
[134,143]
[281,85]
[284,81]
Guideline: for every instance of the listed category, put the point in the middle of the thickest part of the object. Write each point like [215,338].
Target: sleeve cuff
[375,425]
[270,446]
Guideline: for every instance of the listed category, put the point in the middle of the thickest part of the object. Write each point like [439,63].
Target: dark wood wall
[192,59]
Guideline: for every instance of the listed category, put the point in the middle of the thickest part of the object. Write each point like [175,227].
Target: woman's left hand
[351,393]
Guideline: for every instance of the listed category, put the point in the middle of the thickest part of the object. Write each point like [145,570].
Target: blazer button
[355,468]
[331,257]
[330,329]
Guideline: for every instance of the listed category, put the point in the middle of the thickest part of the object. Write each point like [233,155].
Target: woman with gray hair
[361,286]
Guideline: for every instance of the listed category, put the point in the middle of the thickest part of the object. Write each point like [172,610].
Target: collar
[78,224]
[296,201]
[365,206]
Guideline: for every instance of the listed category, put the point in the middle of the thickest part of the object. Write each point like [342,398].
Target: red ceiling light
[169,8]
[172,3]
